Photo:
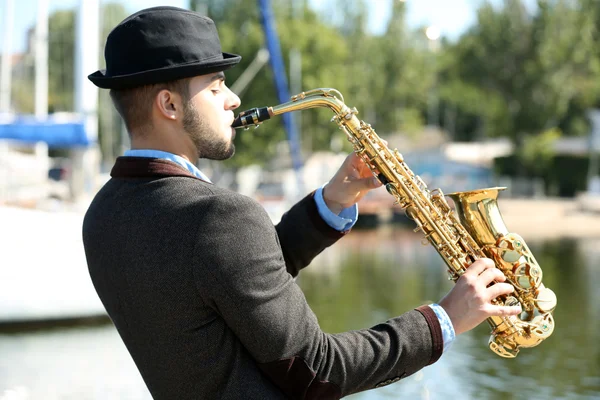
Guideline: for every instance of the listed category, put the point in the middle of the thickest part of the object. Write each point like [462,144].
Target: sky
[451,17]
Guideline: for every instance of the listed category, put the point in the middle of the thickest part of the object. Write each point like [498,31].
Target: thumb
[506,311]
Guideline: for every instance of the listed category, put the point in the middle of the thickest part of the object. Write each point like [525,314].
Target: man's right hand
[469,302]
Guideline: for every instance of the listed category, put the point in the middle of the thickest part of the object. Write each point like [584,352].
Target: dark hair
[135,104]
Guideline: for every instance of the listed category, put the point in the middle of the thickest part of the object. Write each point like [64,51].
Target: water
[367,277]
[383,275]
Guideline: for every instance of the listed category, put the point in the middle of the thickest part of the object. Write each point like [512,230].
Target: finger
[490,275]
[360,165]
[365,184]
[356,167]
[479,266]
[504,311]
[375,182]
[499,289]
[351,160]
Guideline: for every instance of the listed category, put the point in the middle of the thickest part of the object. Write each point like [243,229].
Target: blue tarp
[276,61]
[53,132]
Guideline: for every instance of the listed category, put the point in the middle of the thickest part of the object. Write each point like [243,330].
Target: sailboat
[43,271]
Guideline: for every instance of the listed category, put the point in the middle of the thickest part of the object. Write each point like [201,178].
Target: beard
[208,142]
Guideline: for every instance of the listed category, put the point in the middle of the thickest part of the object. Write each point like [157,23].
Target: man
[197,280]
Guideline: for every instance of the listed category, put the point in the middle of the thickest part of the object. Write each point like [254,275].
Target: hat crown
[160,37]
[161,44]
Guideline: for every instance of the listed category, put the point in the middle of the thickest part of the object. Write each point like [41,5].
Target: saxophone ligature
[473,229]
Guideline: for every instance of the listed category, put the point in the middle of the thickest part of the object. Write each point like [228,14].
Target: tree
[321,46]
[61,64]
[519,73]
[110,124]
[402,75]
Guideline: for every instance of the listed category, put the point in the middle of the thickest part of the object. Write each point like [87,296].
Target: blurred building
[28,176]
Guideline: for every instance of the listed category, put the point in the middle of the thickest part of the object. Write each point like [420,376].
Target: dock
[539,218]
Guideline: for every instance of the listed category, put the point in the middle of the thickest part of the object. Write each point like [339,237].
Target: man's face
[208,116]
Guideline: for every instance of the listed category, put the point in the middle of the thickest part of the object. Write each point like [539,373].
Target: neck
[169,141]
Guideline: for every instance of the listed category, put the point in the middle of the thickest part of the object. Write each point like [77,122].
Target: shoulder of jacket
[233,200]
[229,209]
[238,199]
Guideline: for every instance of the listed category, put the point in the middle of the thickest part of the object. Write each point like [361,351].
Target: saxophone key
[546,300]
[399,156]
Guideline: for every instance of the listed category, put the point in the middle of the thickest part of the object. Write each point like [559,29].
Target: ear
[169,104]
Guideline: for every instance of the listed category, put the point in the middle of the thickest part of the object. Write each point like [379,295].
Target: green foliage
[21,90]
[109,121]
[320,45]
[538,151]
[411,121]
[526,74]
[564,175]
[61,62]
[568,174]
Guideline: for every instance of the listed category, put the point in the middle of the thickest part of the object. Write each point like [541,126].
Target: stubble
[209,143]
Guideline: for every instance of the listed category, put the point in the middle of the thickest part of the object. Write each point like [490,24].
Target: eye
[216,87]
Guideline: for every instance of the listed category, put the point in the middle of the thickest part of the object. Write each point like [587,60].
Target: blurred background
[473,93]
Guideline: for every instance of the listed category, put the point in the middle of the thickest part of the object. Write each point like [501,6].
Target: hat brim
[166,74]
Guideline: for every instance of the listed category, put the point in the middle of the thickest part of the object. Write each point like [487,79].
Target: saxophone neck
[324,97]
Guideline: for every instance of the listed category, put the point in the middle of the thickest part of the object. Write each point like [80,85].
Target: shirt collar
[168,156]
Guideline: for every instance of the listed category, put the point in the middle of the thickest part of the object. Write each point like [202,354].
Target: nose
[233,101]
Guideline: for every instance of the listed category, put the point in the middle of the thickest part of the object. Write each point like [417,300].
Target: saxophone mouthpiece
[253,116]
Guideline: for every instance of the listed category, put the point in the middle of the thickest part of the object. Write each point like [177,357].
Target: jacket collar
[146,167]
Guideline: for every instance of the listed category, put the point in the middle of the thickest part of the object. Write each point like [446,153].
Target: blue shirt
[340,222]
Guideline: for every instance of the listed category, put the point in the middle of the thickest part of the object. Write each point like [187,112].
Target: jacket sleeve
[241,274]
[303,234]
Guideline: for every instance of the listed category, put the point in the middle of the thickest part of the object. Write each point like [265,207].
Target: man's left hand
[351,183]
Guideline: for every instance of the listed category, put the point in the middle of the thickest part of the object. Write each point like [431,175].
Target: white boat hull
[43,271]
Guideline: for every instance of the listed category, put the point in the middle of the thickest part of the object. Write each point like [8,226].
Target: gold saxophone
[475,229]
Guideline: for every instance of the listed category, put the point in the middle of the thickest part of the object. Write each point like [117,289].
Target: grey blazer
[199,284]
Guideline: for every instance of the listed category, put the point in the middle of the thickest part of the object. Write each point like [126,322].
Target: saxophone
[474,229]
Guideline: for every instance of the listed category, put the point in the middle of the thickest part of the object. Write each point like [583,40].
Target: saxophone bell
[480,215]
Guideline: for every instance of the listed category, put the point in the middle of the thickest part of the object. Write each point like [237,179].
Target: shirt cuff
[342,222]
[448,333]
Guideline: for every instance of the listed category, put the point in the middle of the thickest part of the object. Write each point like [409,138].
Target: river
[365,278]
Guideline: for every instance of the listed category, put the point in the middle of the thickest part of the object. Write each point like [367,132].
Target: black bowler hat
[161,44]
